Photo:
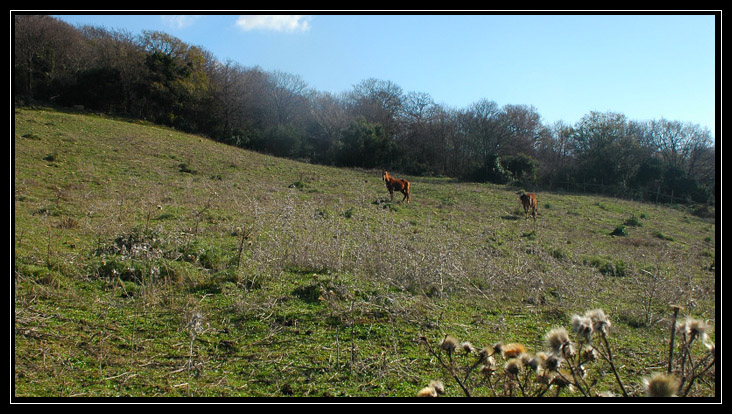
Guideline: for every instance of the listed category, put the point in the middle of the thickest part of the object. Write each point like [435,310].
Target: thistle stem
[673,333]
[612,365]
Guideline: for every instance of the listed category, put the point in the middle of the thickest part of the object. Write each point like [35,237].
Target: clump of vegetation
[662,236]
[185,168]
[633,221]
[51,157]
[32,136]
[619,231]
[607,266]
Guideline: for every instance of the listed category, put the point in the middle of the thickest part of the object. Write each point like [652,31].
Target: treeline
[157,77]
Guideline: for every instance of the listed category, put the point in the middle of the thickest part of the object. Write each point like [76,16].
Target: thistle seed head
[427,392]
[513,367]
[438,386]
[600,321]
[661,385]
[557,340]
[551,363]
[489,367]
[693,328]
[537,361]
[467,347]
[582,326]
[449,344]
[512,350]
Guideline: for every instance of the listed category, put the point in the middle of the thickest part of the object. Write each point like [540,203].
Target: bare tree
[330,116]
[286,92]
[524,124]
[679,143]
[118,51]
[486,128]
[378,101]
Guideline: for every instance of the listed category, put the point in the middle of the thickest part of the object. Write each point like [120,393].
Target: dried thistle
[661,385]
[196,323]
[434,389]
[710,347]
[467,347]
[582,326]
[600,321]
[513,367]
[526,358]
[692,328]
[438,386]
[590,354]
[489,367]
[486,353]
[512,350]
[449,344]
[538,361]
[557,340]
[427,392]
[551,363]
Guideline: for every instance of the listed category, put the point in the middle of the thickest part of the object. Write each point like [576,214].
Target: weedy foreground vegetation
[149,263]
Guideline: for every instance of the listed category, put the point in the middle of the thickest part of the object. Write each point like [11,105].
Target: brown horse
[528,200]
[396,184]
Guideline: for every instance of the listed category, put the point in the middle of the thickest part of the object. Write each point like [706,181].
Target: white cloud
[279,23]
[179,21]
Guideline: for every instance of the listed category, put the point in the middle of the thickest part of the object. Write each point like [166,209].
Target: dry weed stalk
[689,369]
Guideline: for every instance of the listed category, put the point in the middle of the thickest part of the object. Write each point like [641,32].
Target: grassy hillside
[148,262]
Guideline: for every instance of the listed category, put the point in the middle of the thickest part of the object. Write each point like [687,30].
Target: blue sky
[644,66]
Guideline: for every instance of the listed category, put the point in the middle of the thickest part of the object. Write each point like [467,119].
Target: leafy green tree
[521,166]
[649,173]
[490,170]
[280,140]
[364,144]
[97,88]
[177,83]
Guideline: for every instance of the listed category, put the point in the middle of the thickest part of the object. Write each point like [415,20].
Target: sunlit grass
[306,280]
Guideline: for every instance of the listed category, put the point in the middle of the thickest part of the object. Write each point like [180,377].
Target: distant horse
[528,200]
[396,184]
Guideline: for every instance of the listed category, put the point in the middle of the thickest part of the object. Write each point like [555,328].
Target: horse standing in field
[528,200]
[396,184]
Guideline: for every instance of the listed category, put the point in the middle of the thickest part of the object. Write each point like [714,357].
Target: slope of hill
[148,262]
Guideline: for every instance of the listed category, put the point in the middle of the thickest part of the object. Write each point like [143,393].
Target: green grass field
[148,263]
